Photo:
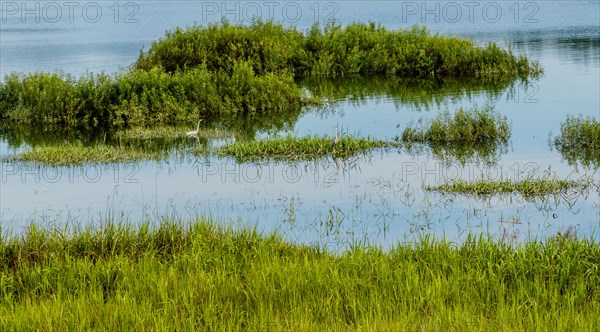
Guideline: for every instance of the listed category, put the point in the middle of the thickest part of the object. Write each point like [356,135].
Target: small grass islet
[303,148]
[75,154]
[579,140]
[197,276]
[464,126]
[528,188]
[465,135]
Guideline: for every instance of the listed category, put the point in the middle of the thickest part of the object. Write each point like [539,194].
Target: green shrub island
[244,72]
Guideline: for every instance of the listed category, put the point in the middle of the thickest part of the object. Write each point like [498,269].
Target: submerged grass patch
[528,188]
[196,276]
[579,140]
[293,148]
[75,154]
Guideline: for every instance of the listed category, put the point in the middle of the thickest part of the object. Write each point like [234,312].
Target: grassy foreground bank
[202,277]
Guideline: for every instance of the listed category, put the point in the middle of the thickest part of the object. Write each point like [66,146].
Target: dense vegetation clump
[146,97]
[467,135]
[195,276]
[579,140]
[246,73]
[462,127]
[356,49]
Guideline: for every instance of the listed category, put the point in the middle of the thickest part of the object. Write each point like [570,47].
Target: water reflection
[574,46]
[487,153]
[586,156]
[410,93]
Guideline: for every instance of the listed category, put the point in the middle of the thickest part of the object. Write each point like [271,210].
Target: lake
[376,199]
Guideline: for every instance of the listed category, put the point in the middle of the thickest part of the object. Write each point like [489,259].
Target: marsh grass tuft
[528,188]
[194,275]
[293,148]
[579,140]
[77,154]
[471,126]
[466,135]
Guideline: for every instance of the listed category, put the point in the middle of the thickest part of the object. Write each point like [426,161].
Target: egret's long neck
[336,132]
[198,127]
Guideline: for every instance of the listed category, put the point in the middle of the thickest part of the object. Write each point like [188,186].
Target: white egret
[194,132]
[335,140]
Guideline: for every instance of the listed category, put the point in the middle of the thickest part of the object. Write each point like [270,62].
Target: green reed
[579,140]
[472,126]
[528,188]
[78,154]
[357,48]
[147,97]
[180,275]
[294,148]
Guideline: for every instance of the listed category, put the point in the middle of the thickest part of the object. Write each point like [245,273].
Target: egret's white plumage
[194,132]
[335,140]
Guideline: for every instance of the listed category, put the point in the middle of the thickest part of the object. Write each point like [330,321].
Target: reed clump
[303,148]
[464,126]
[247,72]
[579,140]
[333,50]
[147,97]
[528,188]
[179,275]
[77,154]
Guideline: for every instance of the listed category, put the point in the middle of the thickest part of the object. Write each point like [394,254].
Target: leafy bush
[357,48]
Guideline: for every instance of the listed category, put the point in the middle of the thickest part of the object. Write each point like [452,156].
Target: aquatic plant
[579,140]
[235,71]
[147,97]
[77,154]
[488,153]
[528,188]
[357,48]
[463,126]
[194,275]
[293,148]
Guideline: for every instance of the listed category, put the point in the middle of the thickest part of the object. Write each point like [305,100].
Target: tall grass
[579,140]
[467,135]
[464,126]
[357,48]
[147,97]
[195,276]
[293,148]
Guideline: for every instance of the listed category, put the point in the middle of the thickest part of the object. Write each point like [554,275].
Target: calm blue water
[378,199]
